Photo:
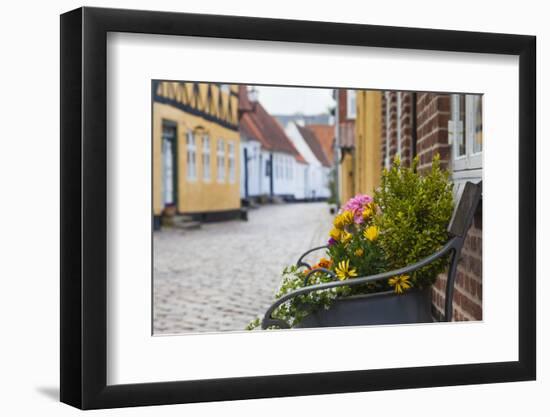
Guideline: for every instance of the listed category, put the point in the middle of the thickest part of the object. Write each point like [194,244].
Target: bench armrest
[300,260]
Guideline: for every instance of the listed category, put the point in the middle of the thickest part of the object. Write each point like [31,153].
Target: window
[351,104]
[456,126]
[478,125]
[290,166]
[231,161]
[191,156]
[287,168]
[206,158]
[466,132]
[220,154]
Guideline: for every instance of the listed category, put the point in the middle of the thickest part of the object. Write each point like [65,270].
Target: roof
[252,131]
[325,135]
[257,123]
[244,102]
[314,144]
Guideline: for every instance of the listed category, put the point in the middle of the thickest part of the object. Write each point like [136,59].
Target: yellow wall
[194,196]
[368,130]
[346,176]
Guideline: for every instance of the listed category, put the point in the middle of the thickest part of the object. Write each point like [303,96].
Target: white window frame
[351,107]
[220,160]
[206,164]
[191,154]
[470,160]
[467,167]
[231,161]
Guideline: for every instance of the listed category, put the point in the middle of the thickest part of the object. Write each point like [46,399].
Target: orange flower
[324,263]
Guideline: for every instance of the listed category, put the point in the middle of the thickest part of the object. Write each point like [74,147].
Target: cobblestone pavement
[223,275]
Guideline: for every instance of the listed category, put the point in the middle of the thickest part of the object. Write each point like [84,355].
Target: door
[169,168]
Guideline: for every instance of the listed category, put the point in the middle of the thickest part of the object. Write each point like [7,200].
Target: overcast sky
[290,100]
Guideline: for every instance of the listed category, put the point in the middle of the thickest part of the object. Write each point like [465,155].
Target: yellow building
[195,150]
[359,139]
[368,130]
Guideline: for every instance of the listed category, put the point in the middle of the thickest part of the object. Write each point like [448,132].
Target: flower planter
[413,306]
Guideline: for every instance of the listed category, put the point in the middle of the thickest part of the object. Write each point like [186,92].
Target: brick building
[346,109]
[412,124]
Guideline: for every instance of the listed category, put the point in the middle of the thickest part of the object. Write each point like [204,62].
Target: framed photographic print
[257,208]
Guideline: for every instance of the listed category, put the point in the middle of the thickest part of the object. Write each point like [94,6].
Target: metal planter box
[371,309]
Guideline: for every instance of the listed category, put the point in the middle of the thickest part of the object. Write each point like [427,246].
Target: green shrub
[415,211]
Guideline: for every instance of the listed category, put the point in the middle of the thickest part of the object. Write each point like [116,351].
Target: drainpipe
[246,173]
[271,174]
[337,147]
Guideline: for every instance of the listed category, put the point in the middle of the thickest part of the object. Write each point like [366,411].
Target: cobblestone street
[223,275]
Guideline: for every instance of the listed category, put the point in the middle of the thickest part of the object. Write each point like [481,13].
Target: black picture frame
[84,207]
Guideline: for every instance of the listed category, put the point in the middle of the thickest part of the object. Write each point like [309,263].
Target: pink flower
[356,205]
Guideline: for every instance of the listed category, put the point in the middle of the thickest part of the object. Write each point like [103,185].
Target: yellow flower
[346,237]
[343,270]
[400,283]
[335,234]
[368,211]
[359,252]
[371,233]
[343,219]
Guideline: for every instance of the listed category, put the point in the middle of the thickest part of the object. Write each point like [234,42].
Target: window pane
[206,157]
[461,148]
[191,166]
[351,104]
[458,108]
[231,151]
[220,155]
[478,136]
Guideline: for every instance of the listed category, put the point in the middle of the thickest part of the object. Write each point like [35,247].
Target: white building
[317,173]
[271,165]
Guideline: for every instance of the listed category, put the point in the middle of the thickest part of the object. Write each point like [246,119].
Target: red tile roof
[257,123]
[251,130]
[325,135]
[315,144]
[244,102]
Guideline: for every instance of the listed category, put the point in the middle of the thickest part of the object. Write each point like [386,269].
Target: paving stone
[220,277]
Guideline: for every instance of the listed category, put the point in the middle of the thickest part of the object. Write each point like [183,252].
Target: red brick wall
[468,297]
[405,123]
[433,112]
[342,104]
[432,116]
[406,128]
